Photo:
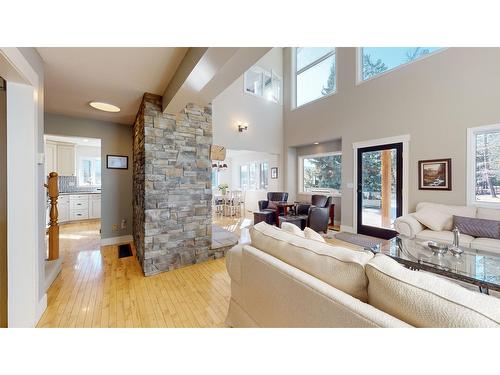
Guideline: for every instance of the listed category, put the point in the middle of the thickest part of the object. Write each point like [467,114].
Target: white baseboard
[40,309]
[116,240]
[345,228]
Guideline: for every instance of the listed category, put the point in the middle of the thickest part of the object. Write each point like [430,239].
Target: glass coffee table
[477,267]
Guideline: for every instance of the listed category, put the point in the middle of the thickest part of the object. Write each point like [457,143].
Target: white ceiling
[120,76]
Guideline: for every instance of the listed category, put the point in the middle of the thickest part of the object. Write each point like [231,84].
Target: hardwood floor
[97,289]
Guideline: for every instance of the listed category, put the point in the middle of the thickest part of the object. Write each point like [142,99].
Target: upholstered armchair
[318,212]
[272,196]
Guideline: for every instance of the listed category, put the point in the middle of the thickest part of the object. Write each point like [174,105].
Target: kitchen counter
[80,192]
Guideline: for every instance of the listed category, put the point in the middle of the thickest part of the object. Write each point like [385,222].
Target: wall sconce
[242,126]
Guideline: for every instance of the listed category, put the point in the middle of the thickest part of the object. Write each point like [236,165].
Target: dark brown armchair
[318,212]
[272,196]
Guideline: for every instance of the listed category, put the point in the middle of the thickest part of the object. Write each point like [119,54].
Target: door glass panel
[378,188]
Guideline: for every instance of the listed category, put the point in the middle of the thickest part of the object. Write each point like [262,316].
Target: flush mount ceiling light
[106,107]
[316,143]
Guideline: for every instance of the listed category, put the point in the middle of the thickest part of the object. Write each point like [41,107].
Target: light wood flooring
[97,289]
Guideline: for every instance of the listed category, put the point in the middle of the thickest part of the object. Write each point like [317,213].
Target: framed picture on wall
[434,174]
[274,173]
[116,162]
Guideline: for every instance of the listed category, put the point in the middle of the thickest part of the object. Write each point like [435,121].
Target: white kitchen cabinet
[63,208]
[78,214]
[95,206]
[66,164]
[50,157]
[60,157]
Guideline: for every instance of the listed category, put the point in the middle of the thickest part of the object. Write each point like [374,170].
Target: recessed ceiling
[119,76]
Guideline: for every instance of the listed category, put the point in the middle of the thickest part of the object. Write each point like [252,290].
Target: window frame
[471,165]
[307,67]
[258,165]
[359,65]
[274,77]
[93,160]
[301,171]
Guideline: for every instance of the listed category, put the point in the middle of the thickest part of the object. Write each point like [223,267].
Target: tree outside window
[322,172]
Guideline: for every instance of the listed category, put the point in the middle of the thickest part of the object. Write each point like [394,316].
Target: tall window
[484,165]
[254,176]
[321,172]
[377,60]
[89,172]
[315,73]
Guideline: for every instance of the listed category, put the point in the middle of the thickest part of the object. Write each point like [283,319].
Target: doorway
[379,189]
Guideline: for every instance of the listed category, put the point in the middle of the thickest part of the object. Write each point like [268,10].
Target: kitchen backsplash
[69,184]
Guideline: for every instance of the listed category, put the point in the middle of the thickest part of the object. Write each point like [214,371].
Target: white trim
[471,165]
[346,228]
[117,240]
[294,105]
[405,140]
[300,166]
[359,66]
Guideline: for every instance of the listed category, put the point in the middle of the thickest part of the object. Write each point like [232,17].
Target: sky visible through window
[319,79]
[377,60]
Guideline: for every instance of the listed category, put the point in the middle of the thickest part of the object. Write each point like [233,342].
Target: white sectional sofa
[409,226]
[284,280]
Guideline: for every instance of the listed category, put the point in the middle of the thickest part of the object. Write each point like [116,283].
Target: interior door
[380,189]
[3,205]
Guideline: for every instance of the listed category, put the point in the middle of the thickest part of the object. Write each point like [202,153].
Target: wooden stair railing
[53,230]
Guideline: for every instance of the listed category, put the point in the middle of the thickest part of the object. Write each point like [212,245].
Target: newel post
[53,230]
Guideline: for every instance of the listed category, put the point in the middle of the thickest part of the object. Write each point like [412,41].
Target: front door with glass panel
[380,185]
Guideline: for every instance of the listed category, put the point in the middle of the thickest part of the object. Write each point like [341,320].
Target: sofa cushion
[313,235]
[433,219]
[292,228]
[337,266]
[425,300]
[443,236]
[486,244]
[477,227]
[467,211]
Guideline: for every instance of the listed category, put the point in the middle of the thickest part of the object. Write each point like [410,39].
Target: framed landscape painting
[434,174]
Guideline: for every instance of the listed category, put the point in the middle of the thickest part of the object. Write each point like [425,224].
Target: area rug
[358,239]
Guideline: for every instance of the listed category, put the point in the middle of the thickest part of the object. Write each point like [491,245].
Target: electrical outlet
[114,227]
[124,224]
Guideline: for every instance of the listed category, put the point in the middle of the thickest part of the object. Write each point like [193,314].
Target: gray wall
[116,139]
[322,148]
[434,100]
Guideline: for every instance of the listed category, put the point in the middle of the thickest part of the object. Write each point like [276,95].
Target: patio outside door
[380,189]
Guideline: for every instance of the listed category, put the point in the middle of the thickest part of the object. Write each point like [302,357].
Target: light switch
[40,158]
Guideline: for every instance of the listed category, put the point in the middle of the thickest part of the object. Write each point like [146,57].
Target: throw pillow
[477,227]
[313,235]
[433,219]
[292,228]
[272,205]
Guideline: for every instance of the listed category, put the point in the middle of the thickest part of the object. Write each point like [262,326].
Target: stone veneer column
[172,186]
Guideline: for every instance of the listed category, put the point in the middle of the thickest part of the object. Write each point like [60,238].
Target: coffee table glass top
[478,267]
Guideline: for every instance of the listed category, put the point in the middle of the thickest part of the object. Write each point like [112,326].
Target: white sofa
[410,227]
[284,280]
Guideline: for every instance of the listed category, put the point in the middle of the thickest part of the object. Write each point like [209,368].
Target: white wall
[231,176]
[434,100]
[264,118]
[25,177]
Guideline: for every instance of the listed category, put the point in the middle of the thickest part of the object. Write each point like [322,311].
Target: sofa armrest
[408,226]
[233,262]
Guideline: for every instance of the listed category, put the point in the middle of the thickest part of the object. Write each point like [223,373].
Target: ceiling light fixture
[316,143]
[106,107]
